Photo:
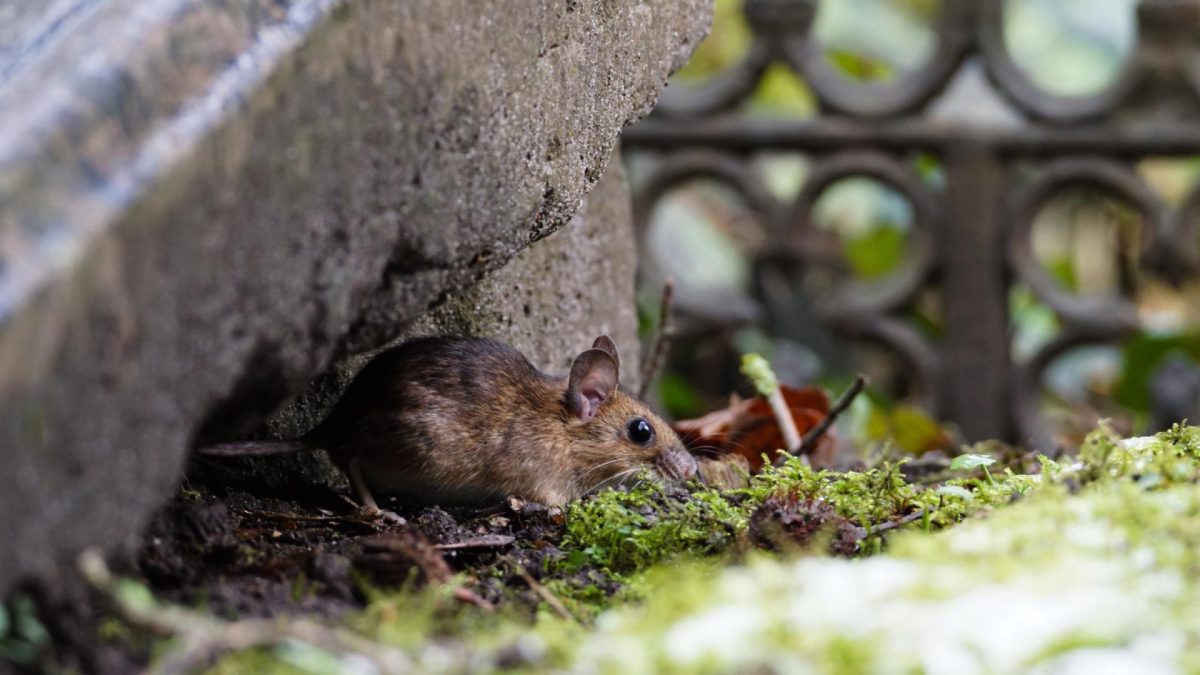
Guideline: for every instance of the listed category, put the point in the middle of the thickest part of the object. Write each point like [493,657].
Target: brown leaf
[748,428]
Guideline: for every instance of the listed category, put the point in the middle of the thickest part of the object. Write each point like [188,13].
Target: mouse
[469,421]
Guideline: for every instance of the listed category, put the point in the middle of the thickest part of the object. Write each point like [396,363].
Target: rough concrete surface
[203,203]
[556,296]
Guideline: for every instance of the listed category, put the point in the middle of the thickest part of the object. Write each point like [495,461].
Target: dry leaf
[748,428]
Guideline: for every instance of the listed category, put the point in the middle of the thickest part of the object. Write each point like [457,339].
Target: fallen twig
[893,524]
[275,515]
[543,592]
[199,639]
[839,406]
[661,342]
[483,541]
[410,545]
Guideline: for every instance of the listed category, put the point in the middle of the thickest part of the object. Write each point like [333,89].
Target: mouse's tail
[253,448]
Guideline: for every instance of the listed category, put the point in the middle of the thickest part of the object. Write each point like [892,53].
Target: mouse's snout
[677,464]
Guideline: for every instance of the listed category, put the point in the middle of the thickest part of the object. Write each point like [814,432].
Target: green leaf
[309,658]
[956,491]
[876,253]
[25,621]
[3,621]
[781,92]
[968,462]
[134,595]
[914,430]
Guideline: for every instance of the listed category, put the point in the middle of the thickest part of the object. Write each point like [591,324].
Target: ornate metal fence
[972,239]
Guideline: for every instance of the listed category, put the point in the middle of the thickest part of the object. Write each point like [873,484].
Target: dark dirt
[240,549]
[246,551]
[787,521]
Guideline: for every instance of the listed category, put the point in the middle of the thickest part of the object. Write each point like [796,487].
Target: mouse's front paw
[386,517]
[391,517]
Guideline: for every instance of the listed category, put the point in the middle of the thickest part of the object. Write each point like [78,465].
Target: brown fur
[468,420]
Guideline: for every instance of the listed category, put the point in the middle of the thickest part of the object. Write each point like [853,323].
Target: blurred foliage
[1089,241]
[22,634]
[679,398]
[726,44]
[782,93]
[901,39]
[872,222]
[1141,355]
[911,429]
[876,253]
[1066,46]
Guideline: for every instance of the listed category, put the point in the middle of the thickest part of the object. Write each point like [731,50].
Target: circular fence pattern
[996,182]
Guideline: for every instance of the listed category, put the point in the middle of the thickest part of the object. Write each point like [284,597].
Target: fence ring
[1012,81]
[1032,428]
[718,92]
[1181,248]
[853,297]
[904,94]
[914,349]
[681,167]
[1107,312]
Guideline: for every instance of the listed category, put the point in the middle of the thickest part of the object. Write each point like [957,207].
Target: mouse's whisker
[707,450]
[601,465]
[615,479]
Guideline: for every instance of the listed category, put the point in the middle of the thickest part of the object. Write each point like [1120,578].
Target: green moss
[622,531]
[584,595]
[1172,456]
[263,661]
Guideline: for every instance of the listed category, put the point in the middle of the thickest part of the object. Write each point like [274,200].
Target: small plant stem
[988,474]
[787,423]
[660,344]
[839,406]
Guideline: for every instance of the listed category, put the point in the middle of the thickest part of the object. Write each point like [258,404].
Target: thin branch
[543,592]
[482,541]
[662,339]
[338,520]
[839,406]
[410,545]
[893,524]
[199,639]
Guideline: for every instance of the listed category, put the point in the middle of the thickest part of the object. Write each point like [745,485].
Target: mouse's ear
[593,380]
[606,343]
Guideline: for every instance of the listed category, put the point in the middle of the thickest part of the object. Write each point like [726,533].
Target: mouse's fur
[459,420]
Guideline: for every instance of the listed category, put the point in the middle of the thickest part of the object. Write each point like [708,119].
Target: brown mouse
[460,420]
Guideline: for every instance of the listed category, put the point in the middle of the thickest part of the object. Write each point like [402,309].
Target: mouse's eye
[640,431]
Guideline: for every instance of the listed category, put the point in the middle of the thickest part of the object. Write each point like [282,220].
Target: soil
[248,551]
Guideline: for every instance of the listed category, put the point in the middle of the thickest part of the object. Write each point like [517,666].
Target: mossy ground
[1087,561]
